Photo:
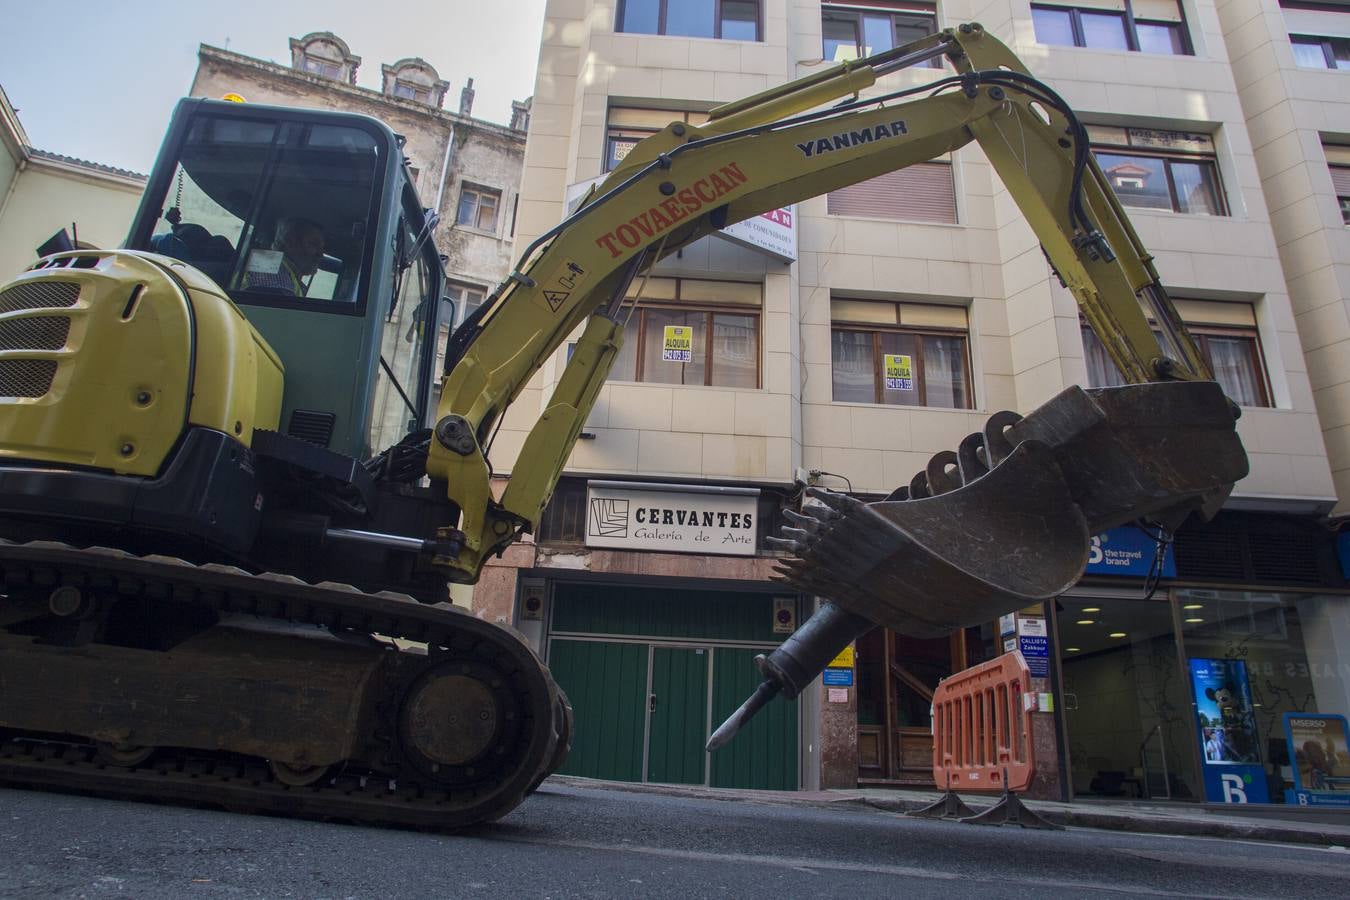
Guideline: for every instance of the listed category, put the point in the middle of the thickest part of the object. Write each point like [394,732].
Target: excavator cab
[309,222]
[249,380]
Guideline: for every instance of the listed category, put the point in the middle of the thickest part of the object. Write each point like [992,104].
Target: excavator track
[404,789]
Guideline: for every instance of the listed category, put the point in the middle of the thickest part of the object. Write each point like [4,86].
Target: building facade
[42,193]
[465,168]
[1222,127]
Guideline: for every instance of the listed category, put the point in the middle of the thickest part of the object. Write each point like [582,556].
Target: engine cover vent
[39,295]
[26,377]
[313,426]
[35,333]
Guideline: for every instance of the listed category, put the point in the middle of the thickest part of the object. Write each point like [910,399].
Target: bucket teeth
[809,522]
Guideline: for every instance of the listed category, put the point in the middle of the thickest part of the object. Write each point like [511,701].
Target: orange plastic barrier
[982,727]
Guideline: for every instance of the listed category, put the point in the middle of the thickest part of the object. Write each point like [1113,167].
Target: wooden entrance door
[896,679]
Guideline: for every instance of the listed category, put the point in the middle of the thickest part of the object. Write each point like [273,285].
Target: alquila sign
[633,515]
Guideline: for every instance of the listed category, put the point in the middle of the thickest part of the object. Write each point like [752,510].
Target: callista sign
[632,515]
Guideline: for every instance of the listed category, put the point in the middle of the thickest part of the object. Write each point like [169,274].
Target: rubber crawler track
[245,784]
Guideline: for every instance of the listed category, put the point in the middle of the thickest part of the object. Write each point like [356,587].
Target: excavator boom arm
[751,157]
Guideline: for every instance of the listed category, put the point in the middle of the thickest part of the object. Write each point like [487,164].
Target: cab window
[278,213]
[404,378]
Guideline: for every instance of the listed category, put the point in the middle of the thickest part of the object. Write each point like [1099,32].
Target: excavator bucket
[1006,519]
[1002,522]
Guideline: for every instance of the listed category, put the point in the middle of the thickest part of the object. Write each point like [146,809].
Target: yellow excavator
[220,588]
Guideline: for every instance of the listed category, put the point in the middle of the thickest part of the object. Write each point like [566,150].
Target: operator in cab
[301,242]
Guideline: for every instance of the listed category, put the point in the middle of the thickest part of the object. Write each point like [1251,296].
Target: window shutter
[1340,178]
[1157,10]
[924,192]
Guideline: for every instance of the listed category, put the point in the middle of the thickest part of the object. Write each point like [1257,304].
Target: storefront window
[1126,700]
[1292,664]
[1201,715]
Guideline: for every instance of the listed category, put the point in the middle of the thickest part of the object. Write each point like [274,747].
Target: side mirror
[57,243]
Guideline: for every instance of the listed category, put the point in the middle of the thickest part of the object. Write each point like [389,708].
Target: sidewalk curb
[1081,817]
[1284,833]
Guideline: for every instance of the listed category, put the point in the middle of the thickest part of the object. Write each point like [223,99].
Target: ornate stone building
[467,169]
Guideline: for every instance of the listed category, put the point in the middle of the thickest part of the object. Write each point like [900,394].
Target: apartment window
[466,297]
[1338,163]
[321,67]
[478,208]
[924,192]
[899,354]
[1150,169]
[463,300]
[1314,52]
[1226,333]
[1340,178]
[1319,34]
[855,29]
[411,92]
[1148,26]
[690,331]
[733,20]
[628,125]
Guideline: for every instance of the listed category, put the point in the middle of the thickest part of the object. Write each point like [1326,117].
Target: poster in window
[677,344]
[899,372]
[1319,752]
[1229,743]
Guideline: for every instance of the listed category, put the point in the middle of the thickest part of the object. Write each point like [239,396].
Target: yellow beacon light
[234,98]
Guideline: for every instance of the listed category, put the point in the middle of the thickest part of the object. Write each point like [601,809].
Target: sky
[98,79]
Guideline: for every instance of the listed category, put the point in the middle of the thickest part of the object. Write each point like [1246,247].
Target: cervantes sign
[672,519]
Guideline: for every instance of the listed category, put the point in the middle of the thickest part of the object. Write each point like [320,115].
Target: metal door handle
[651,703]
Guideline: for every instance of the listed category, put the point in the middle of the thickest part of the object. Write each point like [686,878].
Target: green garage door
[764,754]
[679,715]
[640,680]
[607,684]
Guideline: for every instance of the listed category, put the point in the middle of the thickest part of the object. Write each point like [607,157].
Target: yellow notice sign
[899,372]
[844,660]
[677,344]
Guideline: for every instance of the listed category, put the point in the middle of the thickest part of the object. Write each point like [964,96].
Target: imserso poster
[1319,748]
[1226,723]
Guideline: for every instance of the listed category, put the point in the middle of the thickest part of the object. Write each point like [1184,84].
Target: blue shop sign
[1036,651]
[1126,551]
[1343,551]
[838,677]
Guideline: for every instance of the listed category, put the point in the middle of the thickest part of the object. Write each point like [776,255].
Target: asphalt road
[581,842]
